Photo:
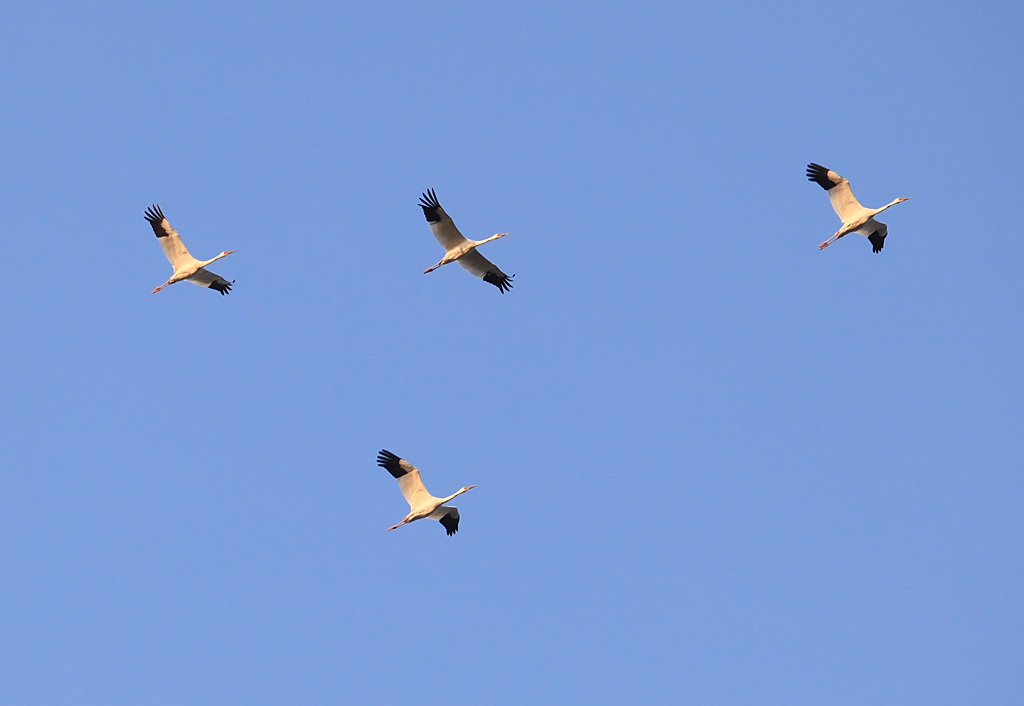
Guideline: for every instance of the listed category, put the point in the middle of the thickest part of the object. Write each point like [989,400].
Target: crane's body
[855,218]
[422,505]
[185,266]
[459,248]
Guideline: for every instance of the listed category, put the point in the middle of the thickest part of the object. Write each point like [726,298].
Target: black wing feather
[877,240]
[501,281]
[819,174]
[222,287]
[430,204]
[451,523]
[390,462]
[155,216]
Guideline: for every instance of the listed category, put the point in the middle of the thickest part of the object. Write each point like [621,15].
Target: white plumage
[421,503]
[855,218]
[185,266]
[458,247]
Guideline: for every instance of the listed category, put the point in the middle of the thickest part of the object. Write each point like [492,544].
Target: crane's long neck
[888,205]
[478,243]
[212,260]
[456,494]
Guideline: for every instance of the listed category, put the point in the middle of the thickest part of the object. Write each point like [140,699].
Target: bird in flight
[459,248]
[185,266]
[855,218]
[421,503]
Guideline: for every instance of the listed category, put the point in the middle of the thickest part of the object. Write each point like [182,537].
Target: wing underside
[481,267]
[441,224]
[175,250]
[875,232]
[204,278]
[844,203]
[408,477]
[448,516]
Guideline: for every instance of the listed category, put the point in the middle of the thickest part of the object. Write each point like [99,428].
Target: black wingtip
[390,462]
[877,241]
[819,175]
[222,287]
[450,524]
[153,214]
[502,282]
[430,205]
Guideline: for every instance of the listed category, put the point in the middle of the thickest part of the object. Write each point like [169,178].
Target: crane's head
[467,487]
[227,252]
[901,199]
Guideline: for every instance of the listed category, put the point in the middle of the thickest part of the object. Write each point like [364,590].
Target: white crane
[421,503]
[458,247]
[855,218]
[185,266]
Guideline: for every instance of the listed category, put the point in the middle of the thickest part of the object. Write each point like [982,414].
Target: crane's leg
[831,240]
[431,269]
[165,284]
[398,525]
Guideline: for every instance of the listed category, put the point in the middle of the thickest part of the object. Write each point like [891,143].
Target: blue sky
[714,465]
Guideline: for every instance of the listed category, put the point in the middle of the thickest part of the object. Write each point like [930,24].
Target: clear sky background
[714,465]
